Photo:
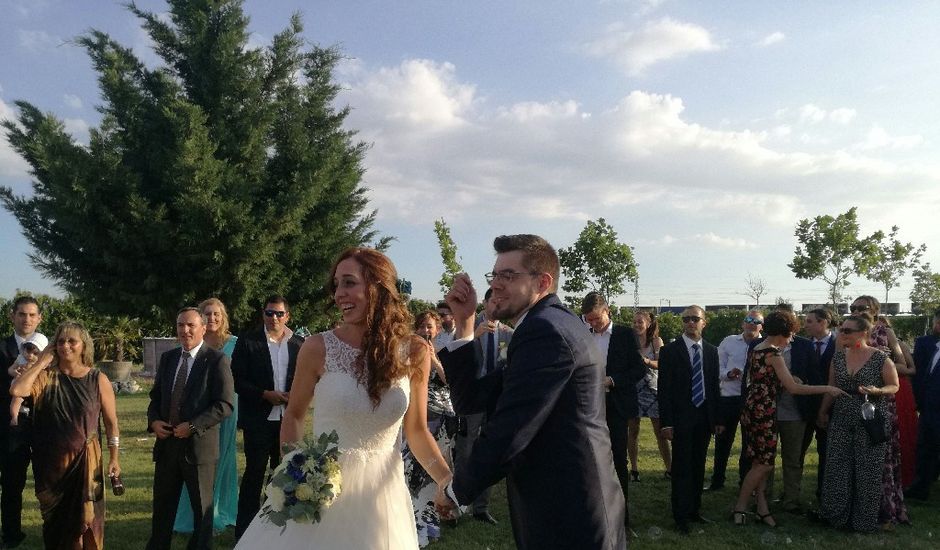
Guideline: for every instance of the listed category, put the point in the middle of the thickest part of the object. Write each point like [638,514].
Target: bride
[370,376]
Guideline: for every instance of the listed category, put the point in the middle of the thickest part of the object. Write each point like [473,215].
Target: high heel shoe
[634,475]
[739,517]
[767,519]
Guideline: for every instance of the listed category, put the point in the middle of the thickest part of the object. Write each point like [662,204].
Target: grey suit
[207,399]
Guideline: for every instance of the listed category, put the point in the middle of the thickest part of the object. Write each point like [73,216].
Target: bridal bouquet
[305,483]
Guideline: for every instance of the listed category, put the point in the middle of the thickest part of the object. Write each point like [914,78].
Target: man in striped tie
[688,400]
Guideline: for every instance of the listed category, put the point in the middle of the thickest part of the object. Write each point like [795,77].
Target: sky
[701,131]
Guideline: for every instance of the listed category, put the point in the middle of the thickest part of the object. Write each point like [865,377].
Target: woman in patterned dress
[647,333]
[852,483]
[892,510]
[442,423]
[766,374]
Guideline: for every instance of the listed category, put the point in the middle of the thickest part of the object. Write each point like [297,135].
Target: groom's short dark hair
[537,254]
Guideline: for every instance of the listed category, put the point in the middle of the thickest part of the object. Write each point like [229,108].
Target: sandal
[739,517]
[767,519]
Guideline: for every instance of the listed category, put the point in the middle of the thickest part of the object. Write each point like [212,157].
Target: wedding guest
[225,491]
[442,423]
[882,337]
[767,373]
[29,354]
[853,488]
[818,327]
[927,393]
[647,332]
[70,399]
[14,452]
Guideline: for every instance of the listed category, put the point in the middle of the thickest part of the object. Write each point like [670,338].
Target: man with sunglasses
[688,413]
[263,365]
[732,364]
[14,453]
[546,431]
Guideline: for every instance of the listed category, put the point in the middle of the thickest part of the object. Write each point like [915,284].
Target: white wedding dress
[373,510]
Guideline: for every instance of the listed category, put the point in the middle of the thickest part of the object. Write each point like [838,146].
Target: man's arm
[221,392]
[468,394]
[628,367]
[156,397]
[666,387]
[541,367]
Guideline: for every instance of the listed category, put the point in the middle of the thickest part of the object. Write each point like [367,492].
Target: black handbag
[875,426]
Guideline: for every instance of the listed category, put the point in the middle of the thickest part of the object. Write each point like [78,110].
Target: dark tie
[491,351]
[179,386]
[698,377]
[819,346]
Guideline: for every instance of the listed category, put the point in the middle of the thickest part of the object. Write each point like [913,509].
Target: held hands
[445,507]
[162,429]
[182,430]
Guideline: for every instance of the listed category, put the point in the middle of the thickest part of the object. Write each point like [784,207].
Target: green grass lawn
[128,517]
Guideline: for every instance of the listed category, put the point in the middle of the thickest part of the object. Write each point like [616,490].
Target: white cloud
[72,101]
[656,41]
[878,138]
[78,129]
[842,116]
[771,38]
[11,163]
[723,242]
[37,41]
[419,92]
[812,114]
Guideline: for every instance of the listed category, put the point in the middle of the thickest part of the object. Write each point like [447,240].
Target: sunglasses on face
[274,313]
[691,319]
[859,308]
[754,320]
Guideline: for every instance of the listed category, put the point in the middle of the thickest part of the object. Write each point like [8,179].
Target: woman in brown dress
[70,398]
[766,373]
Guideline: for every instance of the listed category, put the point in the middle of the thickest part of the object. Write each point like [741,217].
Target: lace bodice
[342,404]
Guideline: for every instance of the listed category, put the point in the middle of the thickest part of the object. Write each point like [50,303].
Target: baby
[29,354]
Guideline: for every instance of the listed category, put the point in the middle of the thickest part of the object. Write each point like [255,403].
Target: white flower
[502,351]
[275,497]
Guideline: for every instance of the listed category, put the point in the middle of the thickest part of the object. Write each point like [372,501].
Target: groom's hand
[462,299]
[445,507]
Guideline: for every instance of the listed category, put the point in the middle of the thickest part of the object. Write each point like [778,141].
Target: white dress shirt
[732,354]
[279,359]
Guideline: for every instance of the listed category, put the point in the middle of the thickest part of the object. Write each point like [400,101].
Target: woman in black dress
[766,373]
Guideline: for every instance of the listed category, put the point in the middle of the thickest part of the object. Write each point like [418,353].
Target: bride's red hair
[386,342]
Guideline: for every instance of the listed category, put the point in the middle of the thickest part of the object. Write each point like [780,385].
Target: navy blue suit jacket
[625,367]
[547,434]
[675,385]
[926,384]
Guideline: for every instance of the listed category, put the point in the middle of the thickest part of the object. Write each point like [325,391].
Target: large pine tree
[225,172]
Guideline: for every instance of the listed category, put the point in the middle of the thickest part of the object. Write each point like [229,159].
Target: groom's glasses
[274,313]
[506,276]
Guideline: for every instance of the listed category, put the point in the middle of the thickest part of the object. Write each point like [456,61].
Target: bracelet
[114,441]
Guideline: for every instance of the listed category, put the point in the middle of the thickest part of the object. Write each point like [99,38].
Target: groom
[546,430]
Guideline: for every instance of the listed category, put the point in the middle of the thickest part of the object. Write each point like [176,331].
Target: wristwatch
[192,429]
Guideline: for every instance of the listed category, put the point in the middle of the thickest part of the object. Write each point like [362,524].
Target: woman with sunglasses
[767,373]
[852,483]
[882,337]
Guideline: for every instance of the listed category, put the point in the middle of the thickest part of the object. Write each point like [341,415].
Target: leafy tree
[830,249]
[925,296]
[597,262]
[755,287]
[892,259]
[226,172]
[448,255]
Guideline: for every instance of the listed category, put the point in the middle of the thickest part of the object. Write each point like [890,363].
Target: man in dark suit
[192,392]
[624,368]
[926,385]
[263,365]
[818,325]
[14,453]
[546,431]
[688,401]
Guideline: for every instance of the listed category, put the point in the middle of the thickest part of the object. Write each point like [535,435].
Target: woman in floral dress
[442,423]
[766,374]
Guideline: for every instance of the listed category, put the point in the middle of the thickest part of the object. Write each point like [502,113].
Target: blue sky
[702,131]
